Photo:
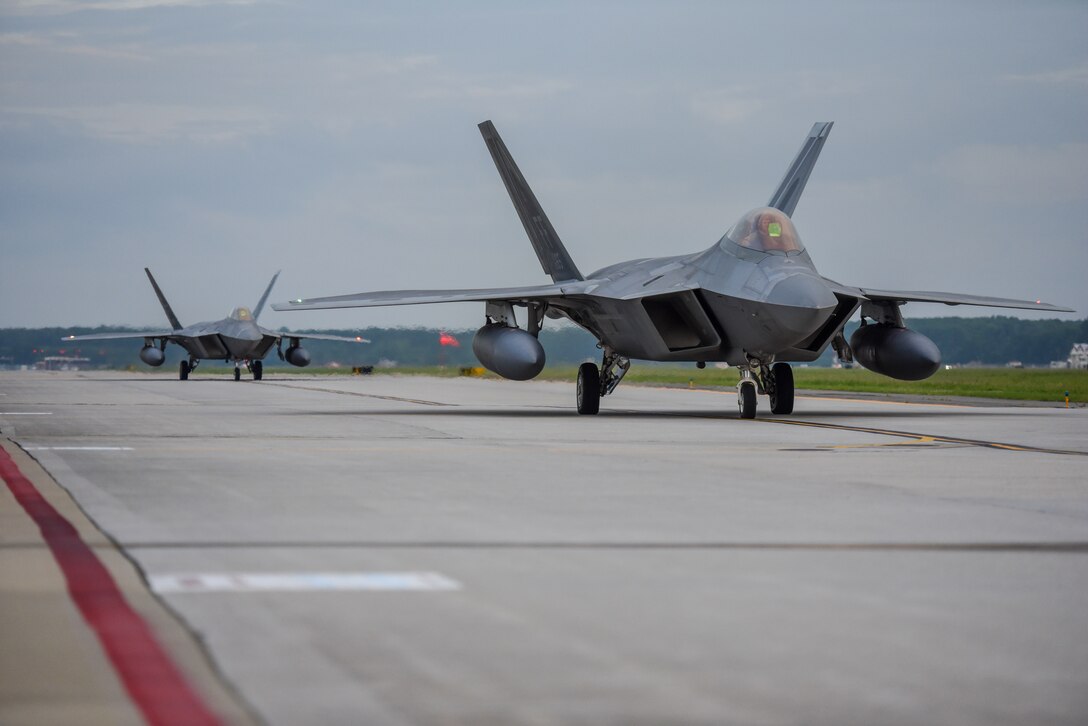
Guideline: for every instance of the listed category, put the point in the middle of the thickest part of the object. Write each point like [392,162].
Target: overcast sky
[217,142]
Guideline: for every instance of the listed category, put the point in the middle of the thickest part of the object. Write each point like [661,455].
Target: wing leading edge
[951,298]
[317,336]
[423,297]
[121,336]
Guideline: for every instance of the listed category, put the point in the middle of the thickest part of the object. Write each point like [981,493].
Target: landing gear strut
[594,383]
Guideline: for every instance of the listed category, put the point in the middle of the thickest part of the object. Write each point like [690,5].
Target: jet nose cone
[800,304]
[802,291]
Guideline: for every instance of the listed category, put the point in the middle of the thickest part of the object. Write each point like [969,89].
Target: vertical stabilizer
[264,298]
[789,190]
[549,248]
[162,301]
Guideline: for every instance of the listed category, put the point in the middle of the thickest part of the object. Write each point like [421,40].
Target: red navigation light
[445,338]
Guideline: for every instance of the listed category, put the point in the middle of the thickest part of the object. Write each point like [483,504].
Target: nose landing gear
[775,380]
[746,395]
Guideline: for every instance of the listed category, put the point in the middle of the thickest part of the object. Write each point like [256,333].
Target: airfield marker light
[1067,399]
[774,229]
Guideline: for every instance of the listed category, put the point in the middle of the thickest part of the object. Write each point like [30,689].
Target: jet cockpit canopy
[241,313]
[766,229]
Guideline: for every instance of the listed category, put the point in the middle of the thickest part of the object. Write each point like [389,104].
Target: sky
[219,142]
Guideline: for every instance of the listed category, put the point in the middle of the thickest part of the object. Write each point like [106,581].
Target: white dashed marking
[301,582]
[79,448]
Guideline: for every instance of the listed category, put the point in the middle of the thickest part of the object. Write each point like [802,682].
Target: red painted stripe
[153,681]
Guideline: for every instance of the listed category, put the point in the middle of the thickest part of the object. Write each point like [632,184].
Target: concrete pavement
[664,562]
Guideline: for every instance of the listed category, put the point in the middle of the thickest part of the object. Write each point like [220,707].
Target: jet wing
[951,298]
[120,336]
[320,336]
[423,297]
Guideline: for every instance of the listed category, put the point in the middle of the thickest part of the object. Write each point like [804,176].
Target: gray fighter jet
[236,339]
[753,300]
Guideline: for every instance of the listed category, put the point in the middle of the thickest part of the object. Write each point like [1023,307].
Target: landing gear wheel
[589,389]
[237,373]
[258,370]
[183,371]
[781,393]
[746,399]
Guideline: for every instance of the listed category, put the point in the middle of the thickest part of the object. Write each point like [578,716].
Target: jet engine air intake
[296,355]
[895,352]
[510,352]
[152,355]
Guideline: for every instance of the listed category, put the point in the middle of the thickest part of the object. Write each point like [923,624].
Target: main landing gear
[187,367]
[775,380]
[255,367]
[595,382]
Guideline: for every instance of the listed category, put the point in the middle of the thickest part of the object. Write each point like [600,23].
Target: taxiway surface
[402,550]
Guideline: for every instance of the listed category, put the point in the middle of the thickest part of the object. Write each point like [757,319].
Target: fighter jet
[236,339]
[753,300]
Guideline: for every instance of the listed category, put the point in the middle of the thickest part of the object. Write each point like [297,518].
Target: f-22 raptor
[753,300]
[236,339]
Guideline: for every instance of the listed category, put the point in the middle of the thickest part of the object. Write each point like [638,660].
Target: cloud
[493,89]
[1019,175]
[1074,76]
[726,105]
[61,7]
[148,124]
[63,43]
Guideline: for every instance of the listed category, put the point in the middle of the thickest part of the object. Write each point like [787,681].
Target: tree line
[994,340]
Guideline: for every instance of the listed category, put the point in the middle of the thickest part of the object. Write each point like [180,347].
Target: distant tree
[993,341]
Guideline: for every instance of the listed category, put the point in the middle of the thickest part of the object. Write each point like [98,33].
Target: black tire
[746,400]
[781,394]
[588,390]
[183,370]
[258,370]
[237,374]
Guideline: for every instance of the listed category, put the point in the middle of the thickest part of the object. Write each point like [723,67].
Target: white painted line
[301,582]
[79,448]
[26,413]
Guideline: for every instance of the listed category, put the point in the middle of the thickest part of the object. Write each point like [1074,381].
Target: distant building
[1078,357]
[62,363]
